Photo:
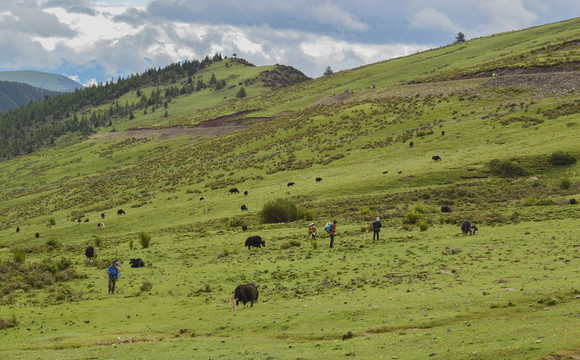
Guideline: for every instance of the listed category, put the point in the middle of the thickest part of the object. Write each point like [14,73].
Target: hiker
[376,228]
[312,231]
[331,230]
[114,274]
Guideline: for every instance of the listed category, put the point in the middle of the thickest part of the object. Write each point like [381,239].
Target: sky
[94,41]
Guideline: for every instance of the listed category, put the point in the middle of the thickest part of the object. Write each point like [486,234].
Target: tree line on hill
[39,124]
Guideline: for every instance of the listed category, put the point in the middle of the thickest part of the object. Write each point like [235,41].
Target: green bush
[51,222]
[131,244]
[98,241]
[565,184]
[7,323]
[559,158]
[19,255]
[506,168]
[420,209]
[236,222]
[423,225]
[531,201]
[412,217]
[144,239]
[53,243]
[283,210]
[147,286]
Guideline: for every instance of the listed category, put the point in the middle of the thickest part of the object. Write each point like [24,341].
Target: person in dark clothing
[114,274]
[376,228]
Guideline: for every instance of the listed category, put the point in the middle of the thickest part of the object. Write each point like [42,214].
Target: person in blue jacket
[114,274]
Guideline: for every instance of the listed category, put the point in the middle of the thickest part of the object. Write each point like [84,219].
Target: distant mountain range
[42,80]
[18,88]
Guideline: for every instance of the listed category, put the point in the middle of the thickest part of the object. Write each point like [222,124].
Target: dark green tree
[328,71]
[241,93]
[459,38]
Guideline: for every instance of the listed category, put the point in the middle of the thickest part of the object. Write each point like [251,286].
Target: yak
[234,191]
[255,241]
[136,263]
[247,293]
[90,252]
[468,227]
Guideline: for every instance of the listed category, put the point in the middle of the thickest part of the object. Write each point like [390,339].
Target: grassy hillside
[508,145]
[52,82]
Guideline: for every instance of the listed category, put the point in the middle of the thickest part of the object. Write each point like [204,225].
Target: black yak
[411,144]
[120,212]
[247,293]
[468,227]
[234,191]
[436,158]
[90,252]
[246,193]
[255,241]
[291,183]
[244,207]
[37,234]
[244,227]
[318,179]
[18,229]
[102,215]
[445,208]
[136,263]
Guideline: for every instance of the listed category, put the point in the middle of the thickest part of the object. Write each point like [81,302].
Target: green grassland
[512,291]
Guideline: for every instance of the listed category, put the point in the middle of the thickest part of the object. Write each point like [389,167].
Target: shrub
[565,184]
[283,210]
[236,222]
[423,225]
[531,201]
[314,243]
[19,255]
[53,243]
[506,168]
[544,202]
[98,241]
[51,222]
[144,239]
[7,323]
[285,246]
[559,158]
[131,244]
[147,286]
[412,218]
[295,243]
[419,209]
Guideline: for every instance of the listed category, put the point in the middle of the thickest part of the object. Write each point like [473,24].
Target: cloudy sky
[95,41]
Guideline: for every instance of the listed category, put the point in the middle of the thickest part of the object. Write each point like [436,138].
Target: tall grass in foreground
[283,210]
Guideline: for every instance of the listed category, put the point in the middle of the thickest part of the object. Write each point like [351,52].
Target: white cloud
[330,14]
[431,19]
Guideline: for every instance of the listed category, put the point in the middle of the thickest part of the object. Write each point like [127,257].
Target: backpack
[327,227]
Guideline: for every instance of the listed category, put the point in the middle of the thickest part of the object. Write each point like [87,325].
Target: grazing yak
[136,263]
[291,183]
[436,158]
[386,172]
[244,227]
[37,234]
[411,144]
[18,229]
[244,207]
[79,220]
[87,220]
[255,241]
[90,253]
[318,179]
[202,198]
[101,225]
[445,208]
[246,193]
[120,212]
[468,227]
[573,201]
[234,191]
[102,215]
[443,132]
[247,293]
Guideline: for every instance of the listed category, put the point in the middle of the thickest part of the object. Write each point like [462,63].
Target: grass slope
[511,291]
